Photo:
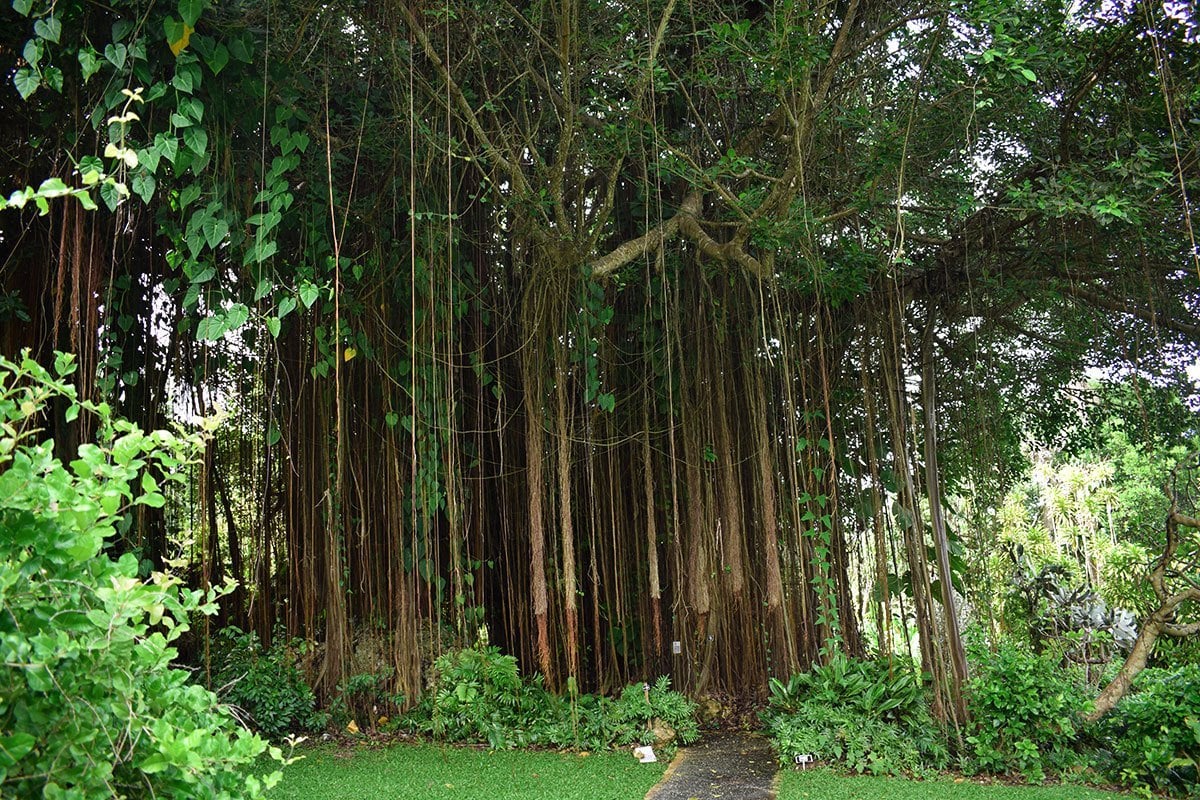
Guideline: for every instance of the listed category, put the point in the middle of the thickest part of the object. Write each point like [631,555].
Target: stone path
[721,766]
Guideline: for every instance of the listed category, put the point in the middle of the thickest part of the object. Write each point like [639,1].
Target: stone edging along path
[722,766]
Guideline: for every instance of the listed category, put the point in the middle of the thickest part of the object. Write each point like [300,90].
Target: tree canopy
[609,325]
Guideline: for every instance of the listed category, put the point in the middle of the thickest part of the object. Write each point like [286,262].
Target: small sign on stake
[804,760]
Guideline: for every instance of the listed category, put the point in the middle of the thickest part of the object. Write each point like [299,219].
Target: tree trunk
[651,532]
[1143,646]
[566,528]
[941,543]
[1162,619]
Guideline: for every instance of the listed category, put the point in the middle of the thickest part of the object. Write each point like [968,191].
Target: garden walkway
[722,766]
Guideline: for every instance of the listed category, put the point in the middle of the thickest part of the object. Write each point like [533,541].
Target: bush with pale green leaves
[90,705]
[868,716]
[1025,713]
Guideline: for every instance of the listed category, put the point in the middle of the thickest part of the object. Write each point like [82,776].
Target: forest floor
[407,771]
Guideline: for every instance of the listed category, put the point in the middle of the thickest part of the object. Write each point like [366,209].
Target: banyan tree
[657,337]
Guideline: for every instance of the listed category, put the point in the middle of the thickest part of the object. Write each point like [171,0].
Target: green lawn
[427,771]
[823,784]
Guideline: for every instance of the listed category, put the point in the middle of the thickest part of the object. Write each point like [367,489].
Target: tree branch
[685,221]
[491,151]
[1108,304]
[1181,631]
[645,244]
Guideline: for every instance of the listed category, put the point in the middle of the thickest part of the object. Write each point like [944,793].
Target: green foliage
[871,688]
[478,695]
[91,706]
[1025,713]
[1154,733]
[266,683]
[641,705]
[836,733]
[364,696]
[868,715]
[1087,523]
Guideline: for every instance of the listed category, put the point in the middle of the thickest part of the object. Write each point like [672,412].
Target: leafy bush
[868,715]
[365,696]
[1025,713]
[91,706]
[641,706]
[478,695]
[1154,733]
[861,743]
[266,683]
[871,688]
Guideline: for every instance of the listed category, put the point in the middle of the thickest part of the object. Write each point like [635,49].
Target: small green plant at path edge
[429,771]
[824,784]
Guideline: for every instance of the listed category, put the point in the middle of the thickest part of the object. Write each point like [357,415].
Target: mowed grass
[453,773]
[823,784]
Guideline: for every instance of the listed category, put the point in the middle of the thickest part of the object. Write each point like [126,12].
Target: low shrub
[641,707]
[1025,713]
[839,734]
[870,716]
[265,682]
[478,695]
[366,696]
[1154,733]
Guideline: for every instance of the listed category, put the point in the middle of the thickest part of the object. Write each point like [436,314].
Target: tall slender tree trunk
[651,532]
[566,528]
[782,657]
[913,527]
[941,543]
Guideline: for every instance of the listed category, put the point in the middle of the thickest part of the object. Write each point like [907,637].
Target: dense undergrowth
[1152,740]
[870,716]
[1026,721]
[476,696]
[866,716]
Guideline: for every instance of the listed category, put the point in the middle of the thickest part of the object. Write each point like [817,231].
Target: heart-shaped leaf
[190,11]
[236,316]
[210,328]
[196,140]
[218,59]
[143,185]
[49,29]
[215,231]
[116,54]
[89,63]
[27,82]
[308,294]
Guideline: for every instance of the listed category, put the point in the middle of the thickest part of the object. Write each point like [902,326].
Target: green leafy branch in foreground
[91,170]
[91,705]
